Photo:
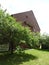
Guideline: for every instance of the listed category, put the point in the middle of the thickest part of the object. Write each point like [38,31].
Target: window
[26,16]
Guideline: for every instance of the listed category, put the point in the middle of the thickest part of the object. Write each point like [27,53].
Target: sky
[39,7]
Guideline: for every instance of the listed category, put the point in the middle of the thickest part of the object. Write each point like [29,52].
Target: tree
[44,41]
[12,32]
[7,29]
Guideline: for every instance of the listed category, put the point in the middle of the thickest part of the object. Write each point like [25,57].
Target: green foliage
[35,40]
[12,32]
[6,27]
[44,41]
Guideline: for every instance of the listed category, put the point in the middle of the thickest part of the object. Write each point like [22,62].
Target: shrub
[44,41]
[12,32]
[35,40]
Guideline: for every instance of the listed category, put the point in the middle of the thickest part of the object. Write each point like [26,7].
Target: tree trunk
[11,47]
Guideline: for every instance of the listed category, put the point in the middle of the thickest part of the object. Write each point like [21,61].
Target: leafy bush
[12,32]
[35,40]
[44,41]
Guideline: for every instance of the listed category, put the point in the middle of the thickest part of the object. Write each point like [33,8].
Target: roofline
[27,12]
[21,12]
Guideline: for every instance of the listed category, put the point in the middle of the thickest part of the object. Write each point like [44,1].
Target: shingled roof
[29,19]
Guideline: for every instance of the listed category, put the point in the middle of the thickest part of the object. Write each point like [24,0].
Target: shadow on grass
[47,50]
[15,59]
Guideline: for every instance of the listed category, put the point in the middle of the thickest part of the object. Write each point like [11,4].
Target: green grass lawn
[30,57]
